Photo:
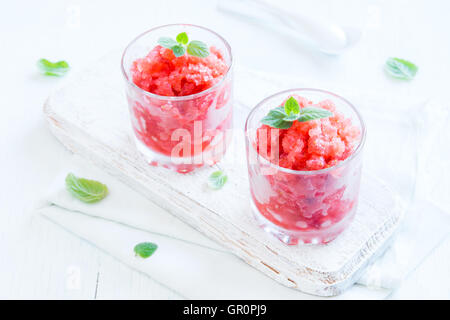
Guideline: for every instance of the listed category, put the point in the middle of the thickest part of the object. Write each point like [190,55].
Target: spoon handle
[318,33]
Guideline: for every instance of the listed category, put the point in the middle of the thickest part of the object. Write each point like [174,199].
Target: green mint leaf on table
[291,106]
[182,38]
[283,117]
[88,191]
[180,46]
[48,68]
[198,49]
[217,180]
[145,249]
[401,69]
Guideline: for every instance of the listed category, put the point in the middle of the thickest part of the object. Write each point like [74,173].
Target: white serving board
[89,115]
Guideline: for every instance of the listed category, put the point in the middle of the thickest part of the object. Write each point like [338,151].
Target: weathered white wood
[89,115]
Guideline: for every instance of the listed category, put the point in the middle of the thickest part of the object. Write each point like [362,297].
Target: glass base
[180,165]
[294,237]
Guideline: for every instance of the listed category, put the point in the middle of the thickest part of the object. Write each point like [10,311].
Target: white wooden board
[89,115]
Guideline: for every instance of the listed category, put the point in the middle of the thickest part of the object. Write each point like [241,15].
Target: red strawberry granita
[180,106]
[304,180]
[161,73]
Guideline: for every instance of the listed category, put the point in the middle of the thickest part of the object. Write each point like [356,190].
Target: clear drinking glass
[180,132]
[303,206]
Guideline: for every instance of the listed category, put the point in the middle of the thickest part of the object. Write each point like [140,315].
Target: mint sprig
[283,117]
[198,49]
[145,249]
[401,69]
[86,190]
[181,44]
[277,118]
[291,106]
[182,38]
[49,68]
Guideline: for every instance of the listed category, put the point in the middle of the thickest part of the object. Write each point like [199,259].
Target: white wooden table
[40,260]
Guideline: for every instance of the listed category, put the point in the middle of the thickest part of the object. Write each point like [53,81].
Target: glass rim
[176,98]
[321,171]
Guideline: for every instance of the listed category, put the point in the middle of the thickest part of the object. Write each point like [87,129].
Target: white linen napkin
[185,261]
[198,268]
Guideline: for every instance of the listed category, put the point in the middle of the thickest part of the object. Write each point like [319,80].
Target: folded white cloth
[196,267]
[185,261]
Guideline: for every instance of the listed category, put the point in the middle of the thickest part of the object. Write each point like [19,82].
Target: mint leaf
[166,42]
[88,191]
[401,69]
[178,50]
[313,113]
[217,179]
[276,119]
[283,117]
[198,49]
[145,249]
[182,38]
[291,118]
[291,106]
[180,46]
[53,68]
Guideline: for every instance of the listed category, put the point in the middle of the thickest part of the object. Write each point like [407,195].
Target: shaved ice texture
[161,73]
[311,145]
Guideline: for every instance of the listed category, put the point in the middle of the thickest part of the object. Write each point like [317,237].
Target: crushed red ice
[161,73]
[311,145]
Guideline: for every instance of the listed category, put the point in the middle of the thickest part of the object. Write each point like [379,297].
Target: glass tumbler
[180,132]
[308,207]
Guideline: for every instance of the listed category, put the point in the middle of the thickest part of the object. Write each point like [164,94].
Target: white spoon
[313,31]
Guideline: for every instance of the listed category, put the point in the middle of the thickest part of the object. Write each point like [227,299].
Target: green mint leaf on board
[166,42]
[313,113]
[178,50]
[283,117]
[198,49]
[182,38]
[217,180]
[53,68]
[88,191]
[291,106]
[145,249]
[401,69]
